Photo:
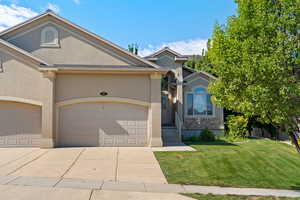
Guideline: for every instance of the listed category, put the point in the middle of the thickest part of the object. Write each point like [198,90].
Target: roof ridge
[166,48]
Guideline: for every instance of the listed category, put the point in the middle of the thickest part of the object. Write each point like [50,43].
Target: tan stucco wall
[167,60]
[75,46]
[23,80]
[20,79]
[72,86]
[214,122]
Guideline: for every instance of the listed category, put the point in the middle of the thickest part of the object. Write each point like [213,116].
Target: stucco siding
[76,47]
[20,79]
[72,50]
[166,60]
[72,86]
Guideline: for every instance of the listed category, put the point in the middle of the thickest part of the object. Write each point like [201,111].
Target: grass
[233,197]
[249,163]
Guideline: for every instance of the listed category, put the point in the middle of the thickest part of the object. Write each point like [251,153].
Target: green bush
[194,138]
[207,135]
[237,126]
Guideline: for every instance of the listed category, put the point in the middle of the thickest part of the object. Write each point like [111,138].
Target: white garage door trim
[21,100]
[102,99]
[94,100]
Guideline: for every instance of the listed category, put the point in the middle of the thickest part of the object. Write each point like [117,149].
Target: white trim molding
[21,100]
[200,72]
[102,99]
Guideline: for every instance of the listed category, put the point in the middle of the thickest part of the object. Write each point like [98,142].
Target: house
[61,85]
[186,103]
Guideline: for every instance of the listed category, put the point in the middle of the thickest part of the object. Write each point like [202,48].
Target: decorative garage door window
[199,103]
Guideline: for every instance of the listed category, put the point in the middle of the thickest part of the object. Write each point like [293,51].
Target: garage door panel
[109,124]
[20,125]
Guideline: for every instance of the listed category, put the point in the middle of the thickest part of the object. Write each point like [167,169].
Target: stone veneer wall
[203,123]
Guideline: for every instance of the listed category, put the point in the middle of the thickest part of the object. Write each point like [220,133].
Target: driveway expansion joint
[14,160]
[27,163]
[117,164]
[73,163]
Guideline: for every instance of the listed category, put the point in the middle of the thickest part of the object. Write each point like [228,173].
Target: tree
[256,59]
[133,48]
[201,62]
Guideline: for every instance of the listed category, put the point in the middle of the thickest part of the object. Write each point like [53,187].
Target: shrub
[237,126]
[194,138]
[207,135]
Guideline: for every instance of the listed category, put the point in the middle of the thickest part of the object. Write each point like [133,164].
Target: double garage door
[84,124]
[103,124]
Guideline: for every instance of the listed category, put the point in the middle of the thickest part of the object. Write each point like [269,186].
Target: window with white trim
[49,37]
[199,103]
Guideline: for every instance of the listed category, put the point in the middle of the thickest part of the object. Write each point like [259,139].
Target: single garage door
[103,124]
[20,125]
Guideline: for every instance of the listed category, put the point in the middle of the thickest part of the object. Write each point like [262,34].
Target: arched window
[49,37]
[199,103]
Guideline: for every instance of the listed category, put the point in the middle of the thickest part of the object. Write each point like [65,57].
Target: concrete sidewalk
[45,193]
[140,187]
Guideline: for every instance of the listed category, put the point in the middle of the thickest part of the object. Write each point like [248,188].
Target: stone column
[48,133]
[179,92]
[155,110]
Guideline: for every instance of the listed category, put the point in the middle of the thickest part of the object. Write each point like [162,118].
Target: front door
[166,110]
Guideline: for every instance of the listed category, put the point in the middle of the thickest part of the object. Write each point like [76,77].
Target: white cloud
[55,8]
[185,47]
[11,15]
[76,1]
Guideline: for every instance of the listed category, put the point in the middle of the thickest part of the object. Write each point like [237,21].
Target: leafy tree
[201,62]
[256,58]
[133,48]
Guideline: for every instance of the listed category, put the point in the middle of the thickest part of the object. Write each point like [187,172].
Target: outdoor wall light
[103,93]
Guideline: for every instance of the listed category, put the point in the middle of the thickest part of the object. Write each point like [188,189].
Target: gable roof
[167,49]
[52,14]
[197,73]
[21,51]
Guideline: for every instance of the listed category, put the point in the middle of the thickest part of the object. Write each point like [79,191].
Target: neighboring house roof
[52,14]
[167,49]
[24,53]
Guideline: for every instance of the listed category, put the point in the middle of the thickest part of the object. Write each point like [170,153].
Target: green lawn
[231,197]
[251,163]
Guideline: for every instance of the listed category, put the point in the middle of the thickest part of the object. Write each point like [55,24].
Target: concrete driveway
[136,165]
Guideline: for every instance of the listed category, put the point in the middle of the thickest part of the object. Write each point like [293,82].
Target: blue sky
[184,25]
